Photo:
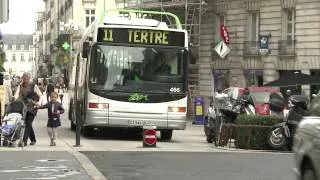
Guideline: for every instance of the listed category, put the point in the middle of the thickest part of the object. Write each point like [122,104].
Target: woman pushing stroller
[30,94]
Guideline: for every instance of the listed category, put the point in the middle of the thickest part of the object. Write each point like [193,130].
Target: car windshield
[128,69]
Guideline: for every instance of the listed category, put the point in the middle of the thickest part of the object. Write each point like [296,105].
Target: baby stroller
[13,125]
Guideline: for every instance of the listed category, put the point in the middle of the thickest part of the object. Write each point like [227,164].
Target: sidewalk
[43,142]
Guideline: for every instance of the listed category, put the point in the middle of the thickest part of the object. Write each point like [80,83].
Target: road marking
[47,172]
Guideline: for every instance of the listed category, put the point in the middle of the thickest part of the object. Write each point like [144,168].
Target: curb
[252,151]
[88,166]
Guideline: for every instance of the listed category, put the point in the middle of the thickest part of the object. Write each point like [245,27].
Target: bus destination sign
[141,36]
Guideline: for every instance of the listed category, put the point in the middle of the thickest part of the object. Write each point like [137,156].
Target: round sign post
[149,136]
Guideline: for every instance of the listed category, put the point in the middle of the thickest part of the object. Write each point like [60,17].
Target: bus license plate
[139,123]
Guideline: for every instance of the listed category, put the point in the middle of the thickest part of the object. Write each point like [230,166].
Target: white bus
[132,72]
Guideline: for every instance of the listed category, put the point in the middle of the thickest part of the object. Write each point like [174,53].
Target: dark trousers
[48,97]
[61,98]
[29,132]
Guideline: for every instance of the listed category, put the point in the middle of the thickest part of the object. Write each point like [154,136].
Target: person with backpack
[29,93]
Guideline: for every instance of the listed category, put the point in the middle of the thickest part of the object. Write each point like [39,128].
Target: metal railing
[250,48]
[287,47]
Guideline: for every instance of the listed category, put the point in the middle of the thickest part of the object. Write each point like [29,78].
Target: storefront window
[314,89]
[221,79]
[294,89]
[253,77]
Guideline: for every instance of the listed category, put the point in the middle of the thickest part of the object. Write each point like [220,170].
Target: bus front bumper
[172,121]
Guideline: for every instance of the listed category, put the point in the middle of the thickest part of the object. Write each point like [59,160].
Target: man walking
[50,89]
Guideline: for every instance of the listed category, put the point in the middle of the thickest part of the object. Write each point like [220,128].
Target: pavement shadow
[116,134]
[119,134]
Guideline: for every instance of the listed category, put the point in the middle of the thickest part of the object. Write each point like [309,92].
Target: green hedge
[254,137]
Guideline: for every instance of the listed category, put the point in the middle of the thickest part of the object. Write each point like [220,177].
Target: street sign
[224,34]
[264,44]
[149,137]
[222,49]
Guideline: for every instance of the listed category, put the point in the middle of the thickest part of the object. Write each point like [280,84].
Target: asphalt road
[193,165]
[40,165]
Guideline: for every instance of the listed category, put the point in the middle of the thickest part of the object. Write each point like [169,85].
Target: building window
[221,79]
[254,26]
[290,24]
[90,16]
[22,57]
[13,57]
[221,19]
[30,57]
[253,77]
[30,47]
[21,47]
[13,47]
[5,47]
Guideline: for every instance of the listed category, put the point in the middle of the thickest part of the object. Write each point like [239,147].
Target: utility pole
[4,11]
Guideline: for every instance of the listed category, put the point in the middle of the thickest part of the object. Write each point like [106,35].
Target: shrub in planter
[253,131]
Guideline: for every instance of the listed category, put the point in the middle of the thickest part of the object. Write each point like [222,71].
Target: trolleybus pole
[76,104]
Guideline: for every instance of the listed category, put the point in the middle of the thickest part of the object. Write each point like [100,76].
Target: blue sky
[22,16]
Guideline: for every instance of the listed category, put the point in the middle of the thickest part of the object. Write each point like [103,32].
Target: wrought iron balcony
[251,48]
[287,47]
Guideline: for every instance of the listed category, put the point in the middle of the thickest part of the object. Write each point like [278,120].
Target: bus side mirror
[85,49]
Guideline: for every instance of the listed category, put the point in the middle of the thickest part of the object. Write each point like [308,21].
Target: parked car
[260,96]
[306,144]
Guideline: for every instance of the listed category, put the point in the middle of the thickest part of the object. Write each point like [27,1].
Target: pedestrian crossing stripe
[222,49]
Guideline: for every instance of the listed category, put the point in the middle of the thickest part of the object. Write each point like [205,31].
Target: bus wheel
[166,135]
[87,131]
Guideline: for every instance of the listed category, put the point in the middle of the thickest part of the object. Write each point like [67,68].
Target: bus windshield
[135,68]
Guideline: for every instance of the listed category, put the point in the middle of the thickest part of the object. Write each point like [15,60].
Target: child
[54,110]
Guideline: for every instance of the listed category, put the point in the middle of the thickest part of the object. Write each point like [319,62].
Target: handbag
[32,96]
[30,108]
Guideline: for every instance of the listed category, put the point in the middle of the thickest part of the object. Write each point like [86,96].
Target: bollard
[198,106]
[149,136]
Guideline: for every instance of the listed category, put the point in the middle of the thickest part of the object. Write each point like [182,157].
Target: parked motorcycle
[217,115]
[281,135]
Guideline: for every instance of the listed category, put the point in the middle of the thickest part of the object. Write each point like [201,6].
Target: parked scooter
[228,112]
[281,135]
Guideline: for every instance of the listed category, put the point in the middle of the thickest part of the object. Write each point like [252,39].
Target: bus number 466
[175,89]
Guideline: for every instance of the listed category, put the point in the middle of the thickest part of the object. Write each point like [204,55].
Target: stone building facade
[65,17]
[19,55]
[291,26]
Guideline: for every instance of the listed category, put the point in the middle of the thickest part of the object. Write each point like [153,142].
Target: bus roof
[134,22]
[142,15]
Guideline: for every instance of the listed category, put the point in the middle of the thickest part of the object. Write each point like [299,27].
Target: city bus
[131,72]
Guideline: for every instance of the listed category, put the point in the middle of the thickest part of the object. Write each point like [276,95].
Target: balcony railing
[287,47]
[251,48]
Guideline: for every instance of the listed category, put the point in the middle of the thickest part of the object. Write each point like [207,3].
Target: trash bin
[198,107]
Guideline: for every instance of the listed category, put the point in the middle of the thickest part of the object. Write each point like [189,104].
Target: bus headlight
[177,109]
[98,105]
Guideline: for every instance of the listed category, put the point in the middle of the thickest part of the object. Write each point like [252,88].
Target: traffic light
[64,42]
